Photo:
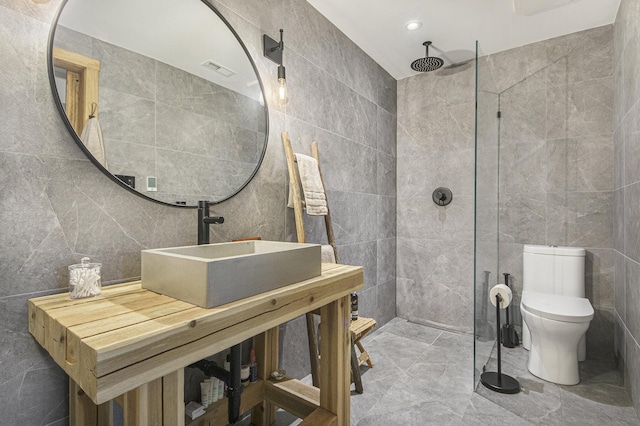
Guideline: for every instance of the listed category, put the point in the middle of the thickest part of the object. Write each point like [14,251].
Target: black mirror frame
[76,137]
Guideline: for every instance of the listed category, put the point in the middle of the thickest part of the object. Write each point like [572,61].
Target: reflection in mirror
[177,105]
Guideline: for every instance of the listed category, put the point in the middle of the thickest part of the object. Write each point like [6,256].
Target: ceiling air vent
[214,66]
[532,7]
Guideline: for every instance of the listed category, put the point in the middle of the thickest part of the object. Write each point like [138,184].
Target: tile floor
[424,376]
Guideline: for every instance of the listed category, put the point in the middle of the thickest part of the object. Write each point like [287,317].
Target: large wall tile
[25,127]
[420,217]
[556,164]
[437,277]
[523,115]
[19,48]
[621,30]
[386,301]
[444,128]
[620,286]
[512,66]
[522,216]
[618,157]
[600,335]
[328,103]
[590,108]
[368,302]
[599,278]
[633,368]
[619,345]
[590,163]
[631,143]
[27,371]
[592,56]
[361,254]
[630,81]
[386,132]
[590,219]
[632,221]
[124,70]
[523,167]
[618,221]
[68,39]
[314,37]
[510,261]
[294,335]
[387,217]
[387,173]
[267,14]
[386,252]
[618,95]
[632,296]
[453,169]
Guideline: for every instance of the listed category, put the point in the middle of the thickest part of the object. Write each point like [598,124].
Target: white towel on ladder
[327,255]
[315,200]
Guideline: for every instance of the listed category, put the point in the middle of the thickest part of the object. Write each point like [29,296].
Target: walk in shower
[544,175]
[486,190]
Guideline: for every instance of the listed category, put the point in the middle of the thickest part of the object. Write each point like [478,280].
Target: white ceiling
[377,26]
[183,34]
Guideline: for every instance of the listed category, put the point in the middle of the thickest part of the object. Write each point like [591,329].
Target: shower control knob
[442,196]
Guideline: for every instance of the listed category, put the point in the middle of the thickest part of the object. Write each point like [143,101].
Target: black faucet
[230,378]
[204,220]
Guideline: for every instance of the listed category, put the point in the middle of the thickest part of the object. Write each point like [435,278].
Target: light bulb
[282,90]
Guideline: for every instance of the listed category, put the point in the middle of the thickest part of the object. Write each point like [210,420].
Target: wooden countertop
[128,336]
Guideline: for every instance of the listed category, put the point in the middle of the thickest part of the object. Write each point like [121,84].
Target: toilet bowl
[554,326]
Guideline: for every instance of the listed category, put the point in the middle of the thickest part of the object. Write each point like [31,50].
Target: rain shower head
[427,63]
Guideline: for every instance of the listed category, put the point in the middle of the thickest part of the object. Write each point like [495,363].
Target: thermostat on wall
[152,184]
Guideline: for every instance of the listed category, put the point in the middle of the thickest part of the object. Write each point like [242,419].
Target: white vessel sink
[214,274]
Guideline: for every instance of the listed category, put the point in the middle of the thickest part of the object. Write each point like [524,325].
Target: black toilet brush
[510,337]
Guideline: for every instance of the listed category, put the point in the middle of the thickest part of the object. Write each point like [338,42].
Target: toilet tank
[556,270]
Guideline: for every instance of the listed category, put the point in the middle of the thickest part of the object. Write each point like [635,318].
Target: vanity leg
[266,346]
[143,406]
[159,402]
[173,398]
[335,359]
[83,412]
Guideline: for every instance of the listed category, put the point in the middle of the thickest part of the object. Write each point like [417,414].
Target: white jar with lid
[84,279]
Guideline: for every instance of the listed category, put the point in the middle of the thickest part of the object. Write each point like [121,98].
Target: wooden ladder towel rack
[294,183]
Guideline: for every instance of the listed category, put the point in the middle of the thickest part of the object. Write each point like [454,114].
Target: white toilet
[555,311]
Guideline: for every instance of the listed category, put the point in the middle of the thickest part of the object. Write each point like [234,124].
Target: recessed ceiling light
[413,25]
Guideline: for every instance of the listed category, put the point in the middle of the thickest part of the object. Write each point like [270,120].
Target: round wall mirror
[161,95]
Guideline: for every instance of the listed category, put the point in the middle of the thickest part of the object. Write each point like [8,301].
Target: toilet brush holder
[496,381]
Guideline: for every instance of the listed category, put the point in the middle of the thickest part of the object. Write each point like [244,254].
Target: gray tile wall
[626,199]
[556,174]
[56,207]
[158,120]
[556,160]
[435,244]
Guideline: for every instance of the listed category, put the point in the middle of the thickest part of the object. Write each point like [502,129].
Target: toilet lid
[557,307]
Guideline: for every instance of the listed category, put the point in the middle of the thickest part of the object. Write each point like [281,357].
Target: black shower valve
[442,196]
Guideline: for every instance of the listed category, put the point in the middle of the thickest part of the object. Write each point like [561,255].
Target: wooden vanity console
[131,345]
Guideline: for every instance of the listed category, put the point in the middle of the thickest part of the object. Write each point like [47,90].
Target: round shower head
[428,63]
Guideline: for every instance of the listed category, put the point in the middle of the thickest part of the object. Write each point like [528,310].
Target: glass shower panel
[486,211]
